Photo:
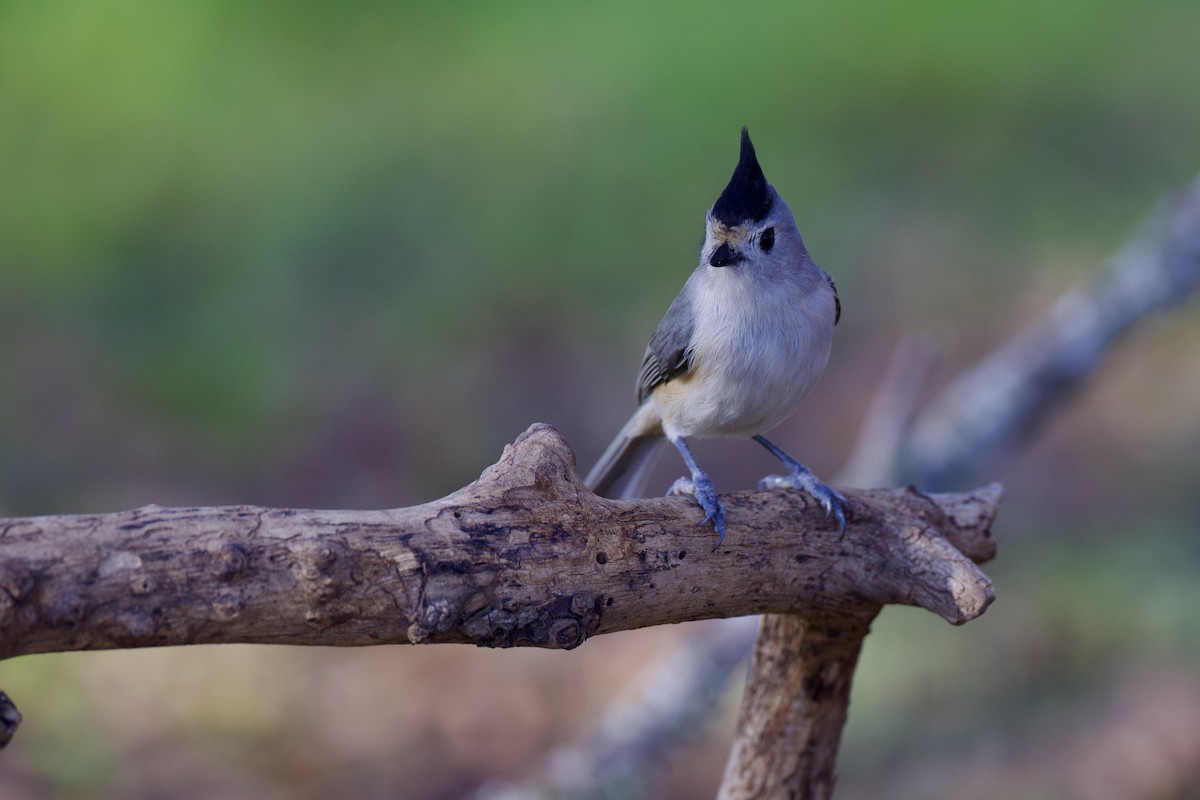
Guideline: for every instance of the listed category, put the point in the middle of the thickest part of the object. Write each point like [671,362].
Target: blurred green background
[337,255]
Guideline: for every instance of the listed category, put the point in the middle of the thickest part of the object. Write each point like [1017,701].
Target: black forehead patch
[748,195]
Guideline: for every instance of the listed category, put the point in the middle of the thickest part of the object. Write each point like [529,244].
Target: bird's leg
[701,487]
[801,477]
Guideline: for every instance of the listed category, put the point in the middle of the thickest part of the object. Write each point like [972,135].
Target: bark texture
[523,556]
[787,740]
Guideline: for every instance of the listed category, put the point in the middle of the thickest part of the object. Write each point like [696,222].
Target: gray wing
[669,353]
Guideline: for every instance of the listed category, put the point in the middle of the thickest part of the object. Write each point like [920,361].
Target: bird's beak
[725,255]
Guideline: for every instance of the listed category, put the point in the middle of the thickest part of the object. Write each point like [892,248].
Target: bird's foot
[830,499]
[701,487]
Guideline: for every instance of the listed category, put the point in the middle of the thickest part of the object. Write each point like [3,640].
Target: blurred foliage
[315,254]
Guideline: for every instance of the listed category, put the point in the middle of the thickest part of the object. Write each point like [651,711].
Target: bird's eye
[766,240]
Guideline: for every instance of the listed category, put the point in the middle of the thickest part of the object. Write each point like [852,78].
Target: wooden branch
[797,696]
[523,556]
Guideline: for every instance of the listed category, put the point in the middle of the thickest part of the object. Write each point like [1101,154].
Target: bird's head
[750,224]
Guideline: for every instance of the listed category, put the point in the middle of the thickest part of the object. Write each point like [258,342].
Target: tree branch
[797,695]
[523,556]
[1003,397]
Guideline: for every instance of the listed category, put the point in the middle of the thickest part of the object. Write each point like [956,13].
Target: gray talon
[701,487]
[706,495]
[831,499]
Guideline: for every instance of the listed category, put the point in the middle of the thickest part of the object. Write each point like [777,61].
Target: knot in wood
[323,574]
[582,603]
[228,606]
[228,561]
[316,569]
[142,584]
[572,620]
[437,617]
[567,633]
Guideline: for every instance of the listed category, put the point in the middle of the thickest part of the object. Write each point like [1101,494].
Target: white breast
[758,347]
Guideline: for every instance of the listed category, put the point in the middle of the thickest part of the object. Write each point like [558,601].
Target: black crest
[748,195]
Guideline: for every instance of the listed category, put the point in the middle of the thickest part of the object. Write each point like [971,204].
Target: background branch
[993,405]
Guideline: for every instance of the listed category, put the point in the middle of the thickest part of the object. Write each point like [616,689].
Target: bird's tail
[622,471]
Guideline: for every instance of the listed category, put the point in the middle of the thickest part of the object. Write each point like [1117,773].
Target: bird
[740,345]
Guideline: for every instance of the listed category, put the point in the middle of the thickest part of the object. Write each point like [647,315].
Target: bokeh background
[337,255]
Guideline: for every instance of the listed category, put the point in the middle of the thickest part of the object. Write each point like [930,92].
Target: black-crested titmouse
[735,352]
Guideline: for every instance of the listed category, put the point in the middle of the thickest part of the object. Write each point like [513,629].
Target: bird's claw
[682,486]
[706,495]
[833,501]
